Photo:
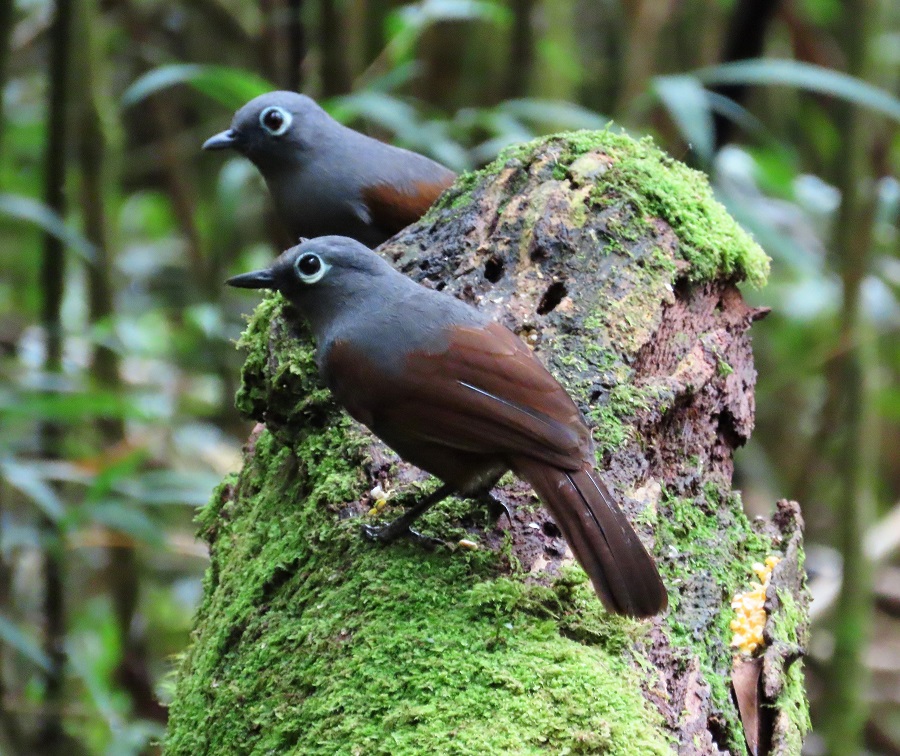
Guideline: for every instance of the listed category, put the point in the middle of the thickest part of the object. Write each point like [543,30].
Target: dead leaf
[745,682]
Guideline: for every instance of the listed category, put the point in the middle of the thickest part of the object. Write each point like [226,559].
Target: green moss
[578,212]
[710,239]
[454,648]
[398,651]
[657,186]
[792,699]
[713,547]
[610,420]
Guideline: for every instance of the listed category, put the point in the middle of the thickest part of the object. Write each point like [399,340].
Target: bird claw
[497,508]
[389,533]
[429,542]
[379,533]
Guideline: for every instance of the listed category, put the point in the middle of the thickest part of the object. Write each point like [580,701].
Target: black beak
[222,141]
[257,279]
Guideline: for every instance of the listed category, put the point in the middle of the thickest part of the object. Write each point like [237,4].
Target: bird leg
[400,526]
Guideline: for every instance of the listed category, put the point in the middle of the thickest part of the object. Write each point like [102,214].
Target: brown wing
[393,208]
[485,393]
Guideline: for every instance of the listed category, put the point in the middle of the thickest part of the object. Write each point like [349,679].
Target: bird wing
[484,393]
[393,207]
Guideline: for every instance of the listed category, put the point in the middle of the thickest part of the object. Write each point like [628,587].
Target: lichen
[711,241]
[710,544]
[311,640]
[707,540]
[792,698]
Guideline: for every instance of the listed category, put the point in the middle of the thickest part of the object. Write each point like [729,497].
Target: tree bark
[617,265]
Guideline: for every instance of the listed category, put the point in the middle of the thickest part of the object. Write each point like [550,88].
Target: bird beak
[222,141]
[257,279]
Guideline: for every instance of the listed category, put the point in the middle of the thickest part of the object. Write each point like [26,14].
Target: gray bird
[461,397]
[326,178]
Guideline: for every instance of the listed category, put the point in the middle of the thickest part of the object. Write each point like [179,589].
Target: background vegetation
[116,337]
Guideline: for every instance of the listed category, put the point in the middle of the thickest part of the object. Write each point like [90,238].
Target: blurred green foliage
[455,79]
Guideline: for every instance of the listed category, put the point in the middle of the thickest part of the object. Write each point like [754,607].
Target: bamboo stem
[521,52]
[121,575]
[50,737]
[12,739]
[296,45]
[747,30]
[845,702]
[334,70]
[7,9]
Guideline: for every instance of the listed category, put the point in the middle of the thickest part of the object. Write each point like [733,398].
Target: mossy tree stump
[617,265]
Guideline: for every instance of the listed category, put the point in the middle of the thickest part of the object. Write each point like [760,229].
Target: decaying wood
[558,242]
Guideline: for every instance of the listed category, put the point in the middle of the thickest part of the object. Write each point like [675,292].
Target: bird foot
[394,530]
[401,526]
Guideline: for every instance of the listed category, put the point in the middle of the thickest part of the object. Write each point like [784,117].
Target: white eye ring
[278,114]
[315,275]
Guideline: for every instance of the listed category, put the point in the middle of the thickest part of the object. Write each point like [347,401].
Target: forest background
[117,361]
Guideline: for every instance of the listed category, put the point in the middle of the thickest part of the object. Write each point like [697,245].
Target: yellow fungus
[749,609]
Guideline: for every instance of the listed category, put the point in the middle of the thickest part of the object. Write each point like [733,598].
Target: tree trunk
[619,267]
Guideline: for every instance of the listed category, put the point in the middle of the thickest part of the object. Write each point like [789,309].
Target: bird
[463,398]
[326,178]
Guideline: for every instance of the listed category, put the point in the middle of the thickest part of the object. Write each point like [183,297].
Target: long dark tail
[604,543]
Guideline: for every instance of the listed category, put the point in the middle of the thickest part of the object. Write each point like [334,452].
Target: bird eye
[310,268]
[275,120]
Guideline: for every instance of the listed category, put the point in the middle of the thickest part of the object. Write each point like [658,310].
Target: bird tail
[623,574]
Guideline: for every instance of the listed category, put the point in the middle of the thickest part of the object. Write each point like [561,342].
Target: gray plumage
[462,397]
[326,178]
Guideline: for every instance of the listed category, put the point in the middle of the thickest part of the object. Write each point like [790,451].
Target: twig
[121,574]
[881,541]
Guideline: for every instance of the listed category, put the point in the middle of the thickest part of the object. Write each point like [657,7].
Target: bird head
[323,276]
[274,129]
